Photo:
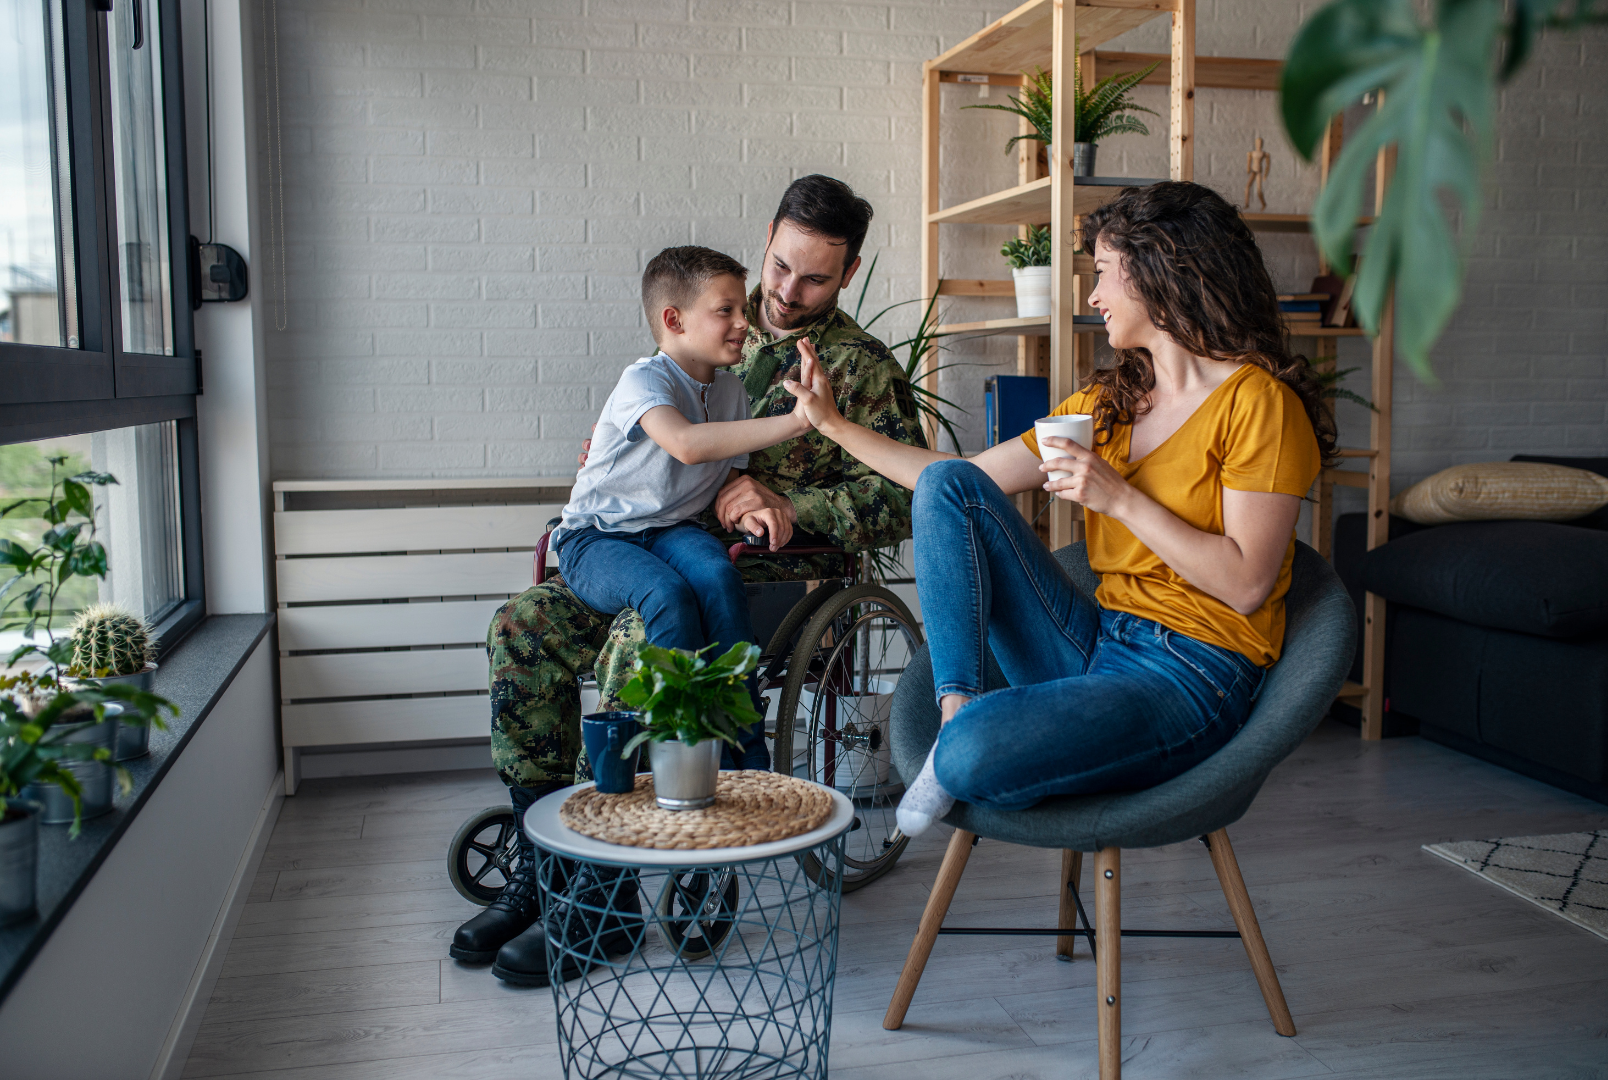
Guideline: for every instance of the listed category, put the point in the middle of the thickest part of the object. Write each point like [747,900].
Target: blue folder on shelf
[1010,405]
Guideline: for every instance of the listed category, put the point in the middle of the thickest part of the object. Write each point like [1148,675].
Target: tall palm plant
[1106,108]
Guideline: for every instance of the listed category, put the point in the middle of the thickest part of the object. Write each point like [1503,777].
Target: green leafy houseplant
[1439,80]
[1034,250]
[1104,109]
[39,701]
[680,695]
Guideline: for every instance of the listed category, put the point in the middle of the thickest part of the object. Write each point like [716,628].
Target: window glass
[139,156]
[38,278]
[137,519]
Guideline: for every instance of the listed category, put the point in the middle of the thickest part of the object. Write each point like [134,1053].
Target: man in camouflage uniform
[545,640]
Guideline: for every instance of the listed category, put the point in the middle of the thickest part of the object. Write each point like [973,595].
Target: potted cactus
[112,646]
[688,706]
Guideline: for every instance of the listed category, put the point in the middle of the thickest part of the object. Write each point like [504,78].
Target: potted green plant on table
[1029,259]
[1106,108]
[687,707]
[58,721]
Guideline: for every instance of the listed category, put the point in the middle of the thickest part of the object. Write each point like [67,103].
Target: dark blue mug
[605,735]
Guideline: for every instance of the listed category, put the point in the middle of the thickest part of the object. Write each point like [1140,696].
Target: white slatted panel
[401,720]
[429,671]
[379,626]
[391,577]
[425,528]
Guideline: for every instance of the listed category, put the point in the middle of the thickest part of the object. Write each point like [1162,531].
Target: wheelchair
[836,648]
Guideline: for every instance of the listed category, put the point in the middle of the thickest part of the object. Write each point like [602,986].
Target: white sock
[924,802]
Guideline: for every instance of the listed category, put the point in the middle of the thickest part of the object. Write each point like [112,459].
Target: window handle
[139,24]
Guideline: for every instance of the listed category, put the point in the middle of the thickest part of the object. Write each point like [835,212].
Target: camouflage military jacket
[835,495]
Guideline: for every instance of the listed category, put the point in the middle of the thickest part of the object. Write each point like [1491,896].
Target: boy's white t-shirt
[629,482]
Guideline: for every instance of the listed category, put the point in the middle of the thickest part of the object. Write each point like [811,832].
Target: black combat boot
[515,909]
[573,913]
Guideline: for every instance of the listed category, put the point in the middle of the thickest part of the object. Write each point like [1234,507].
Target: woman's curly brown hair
[1191,259]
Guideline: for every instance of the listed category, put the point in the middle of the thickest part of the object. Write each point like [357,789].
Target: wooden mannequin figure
[1258,165]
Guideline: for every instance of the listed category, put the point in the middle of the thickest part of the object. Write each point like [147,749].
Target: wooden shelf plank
[1029,204]
[1286,223]
[1312,330]
[1346,477]
[1021,40]
[1351,690]
[1034,327]
[976,287]
[1357,453]
[1219,72]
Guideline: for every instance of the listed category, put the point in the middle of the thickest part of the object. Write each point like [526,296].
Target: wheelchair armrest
[746,547]
[539,570]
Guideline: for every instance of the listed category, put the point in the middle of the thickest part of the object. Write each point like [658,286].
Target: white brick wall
[473,186]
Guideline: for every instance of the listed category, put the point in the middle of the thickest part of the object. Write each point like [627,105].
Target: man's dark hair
[676,276]
[829,208]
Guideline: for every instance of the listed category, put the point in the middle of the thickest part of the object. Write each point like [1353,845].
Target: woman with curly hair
[1208,433]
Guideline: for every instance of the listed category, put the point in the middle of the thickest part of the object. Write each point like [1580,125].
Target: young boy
[675,428]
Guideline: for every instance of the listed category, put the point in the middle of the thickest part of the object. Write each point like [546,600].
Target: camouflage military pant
[543,641]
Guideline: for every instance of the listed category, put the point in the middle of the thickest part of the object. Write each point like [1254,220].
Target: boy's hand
[586,448]
[768,523]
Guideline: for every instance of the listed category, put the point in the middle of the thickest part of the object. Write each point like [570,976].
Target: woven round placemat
[750,807]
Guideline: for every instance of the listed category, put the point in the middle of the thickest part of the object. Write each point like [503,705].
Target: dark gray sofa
[1496,637]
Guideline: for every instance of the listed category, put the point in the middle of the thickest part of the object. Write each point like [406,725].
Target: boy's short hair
[676,276]
[826,206]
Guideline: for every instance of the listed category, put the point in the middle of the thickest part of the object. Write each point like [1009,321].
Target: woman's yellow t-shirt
[1250,434]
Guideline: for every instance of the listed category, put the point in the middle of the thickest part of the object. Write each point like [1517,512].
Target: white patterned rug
[1567,873]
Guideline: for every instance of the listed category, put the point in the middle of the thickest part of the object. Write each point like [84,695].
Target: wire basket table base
[694,972]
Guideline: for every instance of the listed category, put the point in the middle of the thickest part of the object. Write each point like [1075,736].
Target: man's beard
[791,320]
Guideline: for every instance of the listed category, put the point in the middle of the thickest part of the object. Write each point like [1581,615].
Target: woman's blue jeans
[1098,700]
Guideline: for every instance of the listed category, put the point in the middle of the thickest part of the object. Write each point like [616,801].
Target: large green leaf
[1439,86]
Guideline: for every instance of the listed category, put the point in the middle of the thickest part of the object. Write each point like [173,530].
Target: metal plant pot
[19,860]
[133,740]
[95,777]
[684,776]
[1083,158]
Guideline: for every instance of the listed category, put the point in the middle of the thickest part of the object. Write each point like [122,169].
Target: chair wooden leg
[1071,875]
[1239,903]
[943,891]
[1108,958]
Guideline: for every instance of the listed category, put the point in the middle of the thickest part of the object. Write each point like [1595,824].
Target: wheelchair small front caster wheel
[483,853]
[695,912]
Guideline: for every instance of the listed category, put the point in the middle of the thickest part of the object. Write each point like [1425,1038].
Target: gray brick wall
[472,187]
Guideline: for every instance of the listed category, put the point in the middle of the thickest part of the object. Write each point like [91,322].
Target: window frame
[54,391]
[48,391]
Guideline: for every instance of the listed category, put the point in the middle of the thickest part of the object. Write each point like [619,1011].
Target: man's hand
[586,448]
[744,496]
[773,524]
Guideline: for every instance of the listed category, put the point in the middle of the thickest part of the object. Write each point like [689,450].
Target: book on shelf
[1337,291]
[1011,403]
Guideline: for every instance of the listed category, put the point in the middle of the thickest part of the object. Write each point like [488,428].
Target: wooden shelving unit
[1044,34]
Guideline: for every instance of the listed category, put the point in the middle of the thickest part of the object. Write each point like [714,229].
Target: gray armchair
[1319,640]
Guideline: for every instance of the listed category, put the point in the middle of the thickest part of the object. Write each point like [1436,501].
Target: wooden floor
[1396,964]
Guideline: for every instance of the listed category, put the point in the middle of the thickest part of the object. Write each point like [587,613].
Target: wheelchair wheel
[833,716]
[695,912]
[483,853]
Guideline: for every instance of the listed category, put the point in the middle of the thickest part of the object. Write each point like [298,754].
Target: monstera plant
[1438,77]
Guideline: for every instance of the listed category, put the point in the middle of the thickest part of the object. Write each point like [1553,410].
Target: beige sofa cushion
[1502,490]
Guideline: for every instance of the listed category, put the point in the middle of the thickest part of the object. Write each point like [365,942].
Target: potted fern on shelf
[1029,259]
[688,707]
[1106,108]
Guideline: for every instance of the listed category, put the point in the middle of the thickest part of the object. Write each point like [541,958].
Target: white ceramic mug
[1079,427]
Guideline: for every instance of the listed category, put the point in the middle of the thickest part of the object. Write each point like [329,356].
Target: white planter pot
[861,755]
[1032,292]
[684,776]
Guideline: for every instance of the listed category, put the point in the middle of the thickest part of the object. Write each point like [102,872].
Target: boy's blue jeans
[680,581]
[1099,700]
